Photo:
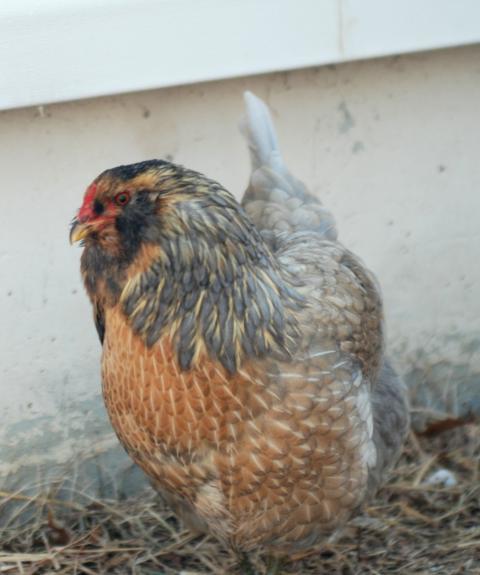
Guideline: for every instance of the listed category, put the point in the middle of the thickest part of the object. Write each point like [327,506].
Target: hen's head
[156,202]
[122,207]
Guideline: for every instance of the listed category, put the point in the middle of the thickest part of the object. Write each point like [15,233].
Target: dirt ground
[425,521]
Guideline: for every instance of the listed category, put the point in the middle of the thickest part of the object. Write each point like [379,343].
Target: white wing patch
[364,410]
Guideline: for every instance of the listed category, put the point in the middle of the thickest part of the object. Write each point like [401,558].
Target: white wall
[57,50]
[390,145]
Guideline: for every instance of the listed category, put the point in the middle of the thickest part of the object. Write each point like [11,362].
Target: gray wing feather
[391,421]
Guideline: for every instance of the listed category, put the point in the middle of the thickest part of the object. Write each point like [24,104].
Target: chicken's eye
[122,198]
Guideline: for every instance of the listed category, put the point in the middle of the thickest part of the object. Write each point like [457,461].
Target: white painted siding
[57,50]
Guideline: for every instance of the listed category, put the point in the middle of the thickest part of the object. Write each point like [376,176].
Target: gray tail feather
[257,127]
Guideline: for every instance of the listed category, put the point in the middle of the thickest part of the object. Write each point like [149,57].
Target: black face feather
[133,224]
[98,208]
[101,263]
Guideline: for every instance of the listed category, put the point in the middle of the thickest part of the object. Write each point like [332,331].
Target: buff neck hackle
[193,267]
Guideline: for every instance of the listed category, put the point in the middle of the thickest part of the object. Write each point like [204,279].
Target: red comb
[86,211]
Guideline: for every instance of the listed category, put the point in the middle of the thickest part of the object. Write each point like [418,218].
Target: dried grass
[411,527]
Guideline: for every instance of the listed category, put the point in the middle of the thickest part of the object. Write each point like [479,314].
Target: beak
[78,231]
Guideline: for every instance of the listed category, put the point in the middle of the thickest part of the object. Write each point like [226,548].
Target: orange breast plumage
[257,458]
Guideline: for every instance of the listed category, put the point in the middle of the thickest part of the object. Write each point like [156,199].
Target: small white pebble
[442,477]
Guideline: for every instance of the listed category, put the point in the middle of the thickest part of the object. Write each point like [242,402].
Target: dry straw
[412,527]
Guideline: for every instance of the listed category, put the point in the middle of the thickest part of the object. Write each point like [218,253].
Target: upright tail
[257,127]
[275,200]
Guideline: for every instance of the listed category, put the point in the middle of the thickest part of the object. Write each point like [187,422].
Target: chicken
[243,361]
